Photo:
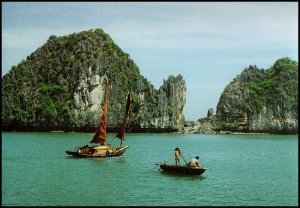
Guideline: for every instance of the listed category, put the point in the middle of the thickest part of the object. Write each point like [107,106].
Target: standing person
[177,154]
[194,162]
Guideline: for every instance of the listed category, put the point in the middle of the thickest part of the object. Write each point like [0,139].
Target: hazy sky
[208,43]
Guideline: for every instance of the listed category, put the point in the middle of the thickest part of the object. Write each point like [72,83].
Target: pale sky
[208,43]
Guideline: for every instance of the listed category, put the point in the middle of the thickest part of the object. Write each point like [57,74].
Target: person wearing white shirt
[194,162]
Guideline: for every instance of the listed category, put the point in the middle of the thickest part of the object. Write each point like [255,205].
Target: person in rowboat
[177,154]
[194,162]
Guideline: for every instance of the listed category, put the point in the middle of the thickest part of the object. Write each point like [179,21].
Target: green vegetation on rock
[57,84]
[266,100]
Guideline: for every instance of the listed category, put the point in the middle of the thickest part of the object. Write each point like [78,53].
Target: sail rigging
[104,150]
[100,136]
[121,133]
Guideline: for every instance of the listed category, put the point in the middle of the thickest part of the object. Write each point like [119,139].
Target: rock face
[167,109]
[257,101]
[201,126]
[261,100]
[171,100]
[61,86]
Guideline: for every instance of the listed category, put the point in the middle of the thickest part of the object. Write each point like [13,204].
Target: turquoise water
[243,170]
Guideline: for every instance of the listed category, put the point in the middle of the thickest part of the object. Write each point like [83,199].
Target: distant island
[257,101]
[60,87]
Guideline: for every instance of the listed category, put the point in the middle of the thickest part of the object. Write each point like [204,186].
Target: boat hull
[113,152]
[187,170]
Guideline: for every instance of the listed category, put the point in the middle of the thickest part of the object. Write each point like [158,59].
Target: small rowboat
[184,169]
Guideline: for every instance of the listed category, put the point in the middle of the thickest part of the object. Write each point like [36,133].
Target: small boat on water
[97,151]
[98,148]
[182,169]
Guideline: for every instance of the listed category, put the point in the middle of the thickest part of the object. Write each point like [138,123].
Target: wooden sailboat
[98,147]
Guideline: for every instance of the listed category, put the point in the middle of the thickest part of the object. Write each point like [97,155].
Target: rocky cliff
[261,100]
[60,87]
[171,100]
[256,101]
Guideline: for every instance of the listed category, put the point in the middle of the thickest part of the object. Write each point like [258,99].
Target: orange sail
[121,133]
[100,135]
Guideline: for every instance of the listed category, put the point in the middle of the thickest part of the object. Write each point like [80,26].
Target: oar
[152,168]
[184,160]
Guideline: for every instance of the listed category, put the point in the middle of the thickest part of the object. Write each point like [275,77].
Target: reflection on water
[178,175]
[121,159]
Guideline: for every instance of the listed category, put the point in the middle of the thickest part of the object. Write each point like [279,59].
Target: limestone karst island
[60,86]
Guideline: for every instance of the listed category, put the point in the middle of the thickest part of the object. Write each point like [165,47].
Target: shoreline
[138,130]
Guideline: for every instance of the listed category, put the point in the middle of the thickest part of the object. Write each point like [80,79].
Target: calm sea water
[243,170]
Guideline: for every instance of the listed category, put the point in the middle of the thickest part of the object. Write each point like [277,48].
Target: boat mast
[121,133]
